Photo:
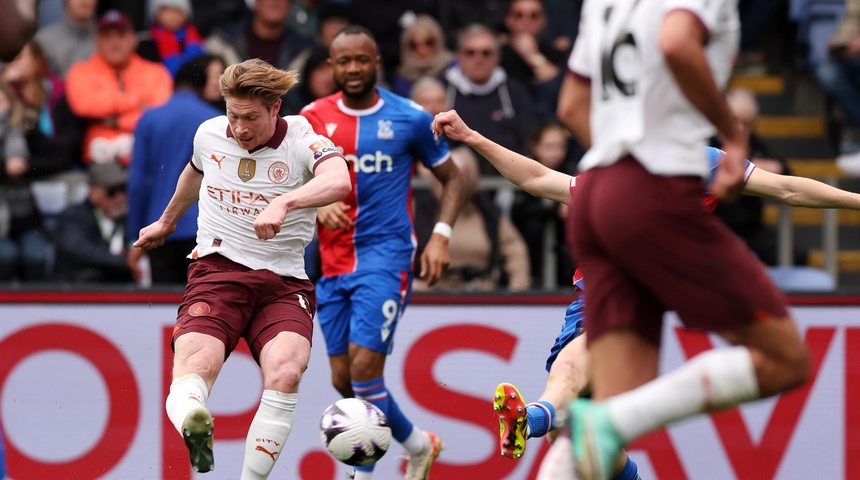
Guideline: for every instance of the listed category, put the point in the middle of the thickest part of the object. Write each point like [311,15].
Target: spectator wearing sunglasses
[525,54]
[527,57]
[484,95]
[423,53]
[89,238]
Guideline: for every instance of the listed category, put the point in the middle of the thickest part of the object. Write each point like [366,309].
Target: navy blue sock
[374,391]
[540,417]
[629,472]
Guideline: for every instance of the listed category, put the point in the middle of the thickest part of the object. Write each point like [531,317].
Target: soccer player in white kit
[568,375]
[259,178]
[645,94]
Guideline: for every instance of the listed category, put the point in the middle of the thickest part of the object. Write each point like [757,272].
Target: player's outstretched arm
[522,171]
[799,191]
[187,191]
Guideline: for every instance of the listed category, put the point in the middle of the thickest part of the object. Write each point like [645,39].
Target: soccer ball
[355,431]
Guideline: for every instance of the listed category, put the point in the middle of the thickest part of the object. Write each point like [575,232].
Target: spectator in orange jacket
[112,88]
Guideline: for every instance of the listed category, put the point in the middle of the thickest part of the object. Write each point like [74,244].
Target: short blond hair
[256,79]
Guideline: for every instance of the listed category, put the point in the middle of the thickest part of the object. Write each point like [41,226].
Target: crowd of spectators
[103,81]
[839,74]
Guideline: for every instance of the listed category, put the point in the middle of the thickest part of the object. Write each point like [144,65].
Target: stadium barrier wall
[83,377]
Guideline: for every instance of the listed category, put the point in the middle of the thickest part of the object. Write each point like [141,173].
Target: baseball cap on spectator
[183,6]
[107,175]
[114,19]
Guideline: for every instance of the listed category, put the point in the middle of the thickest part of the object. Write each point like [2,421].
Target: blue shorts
[574,325]
[362,308]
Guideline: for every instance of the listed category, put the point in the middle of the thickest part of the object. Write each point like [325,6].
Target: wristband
[443,229]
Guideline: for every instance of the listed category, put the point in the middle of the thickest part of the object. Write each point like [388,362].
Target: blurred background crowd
[98,112]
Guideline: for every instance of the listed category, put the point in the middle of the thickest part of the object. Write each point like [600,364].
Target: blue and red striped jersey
[381,144]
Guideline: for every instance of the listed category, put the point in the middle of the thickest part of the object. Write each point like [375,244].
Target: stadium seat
[802,279]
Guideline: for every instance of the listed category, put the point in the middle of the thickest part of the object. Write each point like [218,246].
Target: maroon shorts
[646,245]
[230,301]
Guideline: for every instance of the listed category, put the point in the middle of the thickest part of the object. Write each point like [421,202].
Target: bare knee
[781,358]
[562,368]
[365,364]
[570,371]
[284,377]
[783,370]
[200,354]
[202,365]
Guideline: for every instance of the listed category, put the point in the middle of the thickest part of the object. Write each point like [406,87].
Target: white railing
[829,237]
[500,184]
[785,232]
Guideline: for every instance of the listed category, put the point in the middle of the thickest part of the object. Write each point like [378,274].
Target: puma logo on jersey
[330,128]
[217,160]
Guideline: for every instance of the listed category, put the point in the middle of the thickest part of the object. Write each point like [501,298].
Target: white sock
[360,475]
[268,433]
[186,393]
[716,379]
[416,442]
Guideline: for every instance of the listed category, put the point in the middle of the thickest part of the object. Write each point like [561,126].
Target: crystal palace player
[367,242]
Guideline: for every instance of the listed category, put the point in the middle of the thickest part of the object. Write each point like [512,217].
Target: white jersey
[238,185]
[636,106]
